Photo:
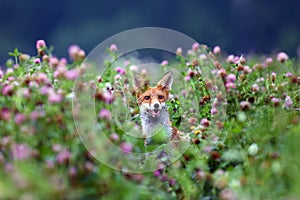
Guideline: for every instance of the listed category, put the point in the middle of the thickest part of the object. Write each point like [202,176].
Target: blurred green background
[239,26]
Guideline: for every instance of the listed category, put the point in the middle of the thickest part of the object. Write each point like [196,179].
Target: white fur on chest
[151,124]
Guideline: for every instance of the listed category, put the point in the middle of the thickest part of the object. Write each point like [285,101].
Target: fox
[152,106]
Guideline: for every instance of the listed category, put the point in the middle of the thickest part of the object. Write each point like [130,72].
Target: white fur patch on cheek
[144,107]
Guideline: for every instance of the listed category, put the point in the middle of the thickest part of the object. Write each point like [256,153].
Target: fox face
[151,100]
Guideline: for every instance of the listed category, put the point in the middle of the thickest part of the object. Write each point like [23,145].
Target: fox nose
[156,105]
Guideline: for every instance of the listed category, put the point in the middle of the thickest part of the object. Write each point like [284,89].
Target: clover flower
[40,44]
[126,147]
[282,57]
[217,50]
[21,151]
[113,47]
[104,114]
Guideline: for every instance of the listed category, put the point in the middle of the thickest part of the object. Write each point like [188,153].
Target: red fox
[152,104]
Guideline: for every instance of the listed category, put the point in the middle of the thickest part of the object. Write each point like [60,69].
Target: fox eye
[146,97]
[161,97]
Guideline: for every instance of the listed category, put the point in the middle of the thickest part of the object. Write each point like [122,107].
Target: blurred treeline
[238,26]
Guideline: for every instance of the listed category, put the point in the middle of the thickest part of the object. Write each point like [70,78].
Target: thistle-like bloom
[282,57]
[40,44]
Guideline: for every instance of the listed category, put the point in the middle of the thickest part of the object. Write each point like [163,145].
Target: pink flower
[63,156]
[247,70]
[282,57]
[71,74]
[230,86]
[231,78]
[73,171]
[113,47]
[19,118]
[7,90]
[37,61]
[214,111]
[269,61]
[120,70]
[114,137]
[227,194]
[73,51]
[288,102]
[255,87]
[275,101]
[164,63]
[126,147]
[157,173]
[53,62]
[187,78]
[21,151]
[40,44]
[204,122]
[34,115]
[195,46]
[179,51]
[1,73]
[245,105]
[105,114]
[217,50]
[5,114]
[117,77]
[288,74]
[53,97]
[230,59]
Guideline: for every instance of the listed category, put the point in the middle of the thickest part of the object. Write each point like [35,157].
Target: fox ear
[138,81]
[167,80]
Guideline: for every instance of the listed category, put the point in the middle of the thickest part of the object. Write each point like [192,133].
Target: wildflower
[114,137]
[54,97]
[288,74]
[288,102]
[121,70]
[187,78]
[172,181]
[126,147]
[247,69]
[214,111]
[63,156]
[245,105]
[113,47]
[105,114]
[228,194]
[275,101]
[89,166]
[282,57]
[53,61]
[34,115]
[133,68]
[179,51]
[195,46]
[24,57]
[230,59]
[204,122]
[73,171]
[21,151]
[230,86]
[117,77]
[7,90]
[19,118]
[73,52]
[164,63]
[231,78]
[157,173]
[71,74]
[217,50]
[202,56]
[40,44]
[269,61]
[37,61]
[5,114]
[253,149]
[255,87]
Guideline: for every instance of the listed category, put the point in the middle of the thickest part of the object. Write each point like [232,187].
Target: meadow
[240,116]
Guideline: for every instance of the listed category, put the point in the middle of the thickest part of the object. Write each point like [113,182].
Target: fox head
[151,100]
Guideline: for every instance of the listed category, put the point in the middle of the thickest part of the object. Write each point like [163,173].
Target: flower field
[241,124]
